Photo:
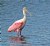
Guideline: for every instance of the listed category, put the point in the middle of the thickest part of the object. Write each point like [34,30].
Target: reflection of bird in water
[18,40]
[18,25]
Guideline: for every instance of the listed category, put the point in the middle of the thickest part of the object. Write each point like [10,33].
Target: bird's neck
[24,13]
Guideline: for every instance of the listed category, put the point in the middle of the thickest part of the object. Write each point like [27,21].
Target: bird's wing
[19,24]
[16,25]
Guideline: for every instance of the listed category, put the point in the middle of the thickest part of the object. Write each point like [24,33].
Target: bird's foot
[21,36]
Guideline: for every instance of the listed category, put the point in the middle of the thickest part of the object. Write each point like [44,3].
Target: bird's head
[25,11]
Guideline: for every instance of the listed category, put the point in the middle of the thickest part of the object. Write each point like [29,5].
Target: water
[37,29]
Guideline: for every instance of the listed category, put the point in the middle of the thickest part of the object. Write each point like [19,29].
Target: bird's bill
[29,13]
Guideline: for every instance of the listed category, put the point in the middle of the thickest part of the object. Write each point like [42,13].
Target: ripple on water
[13,40]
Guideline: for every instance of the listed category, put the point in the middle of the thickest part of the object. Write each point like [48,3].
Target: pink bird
[18,25]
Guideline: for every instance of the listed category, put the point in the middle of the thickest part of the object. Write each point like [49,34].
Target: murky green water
[37,29]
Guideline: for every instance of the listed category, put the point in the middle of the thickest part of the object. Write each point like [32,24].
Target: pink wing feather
[15,25]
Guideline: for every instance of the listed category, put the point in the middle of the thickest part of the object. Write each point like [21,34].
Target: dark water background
[37,29]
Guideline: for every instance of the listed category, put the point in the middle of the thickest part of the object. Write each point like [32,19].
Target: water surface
[37,29]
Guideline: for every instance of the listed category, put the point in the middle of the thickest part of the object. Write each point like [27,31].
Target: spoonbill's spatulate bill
[18,25]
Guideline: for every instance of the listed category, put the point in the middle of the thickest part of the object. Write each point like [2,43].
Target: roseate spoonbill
[18,25]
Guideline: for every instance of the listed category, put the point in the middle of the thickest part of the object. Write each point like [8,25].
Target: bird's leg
[17,32]
[20,33]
